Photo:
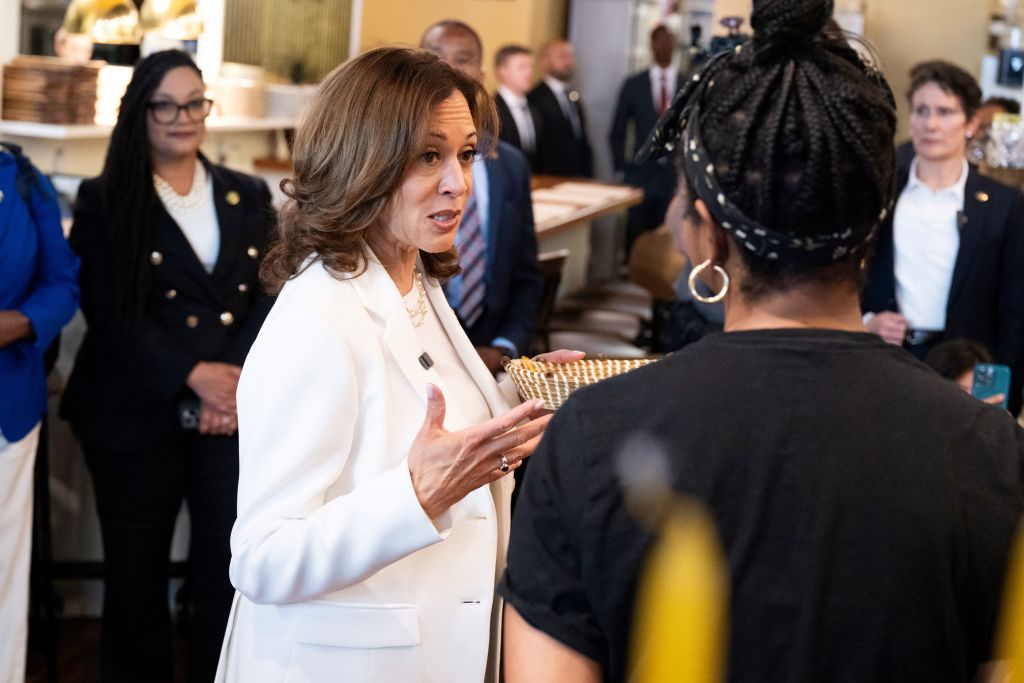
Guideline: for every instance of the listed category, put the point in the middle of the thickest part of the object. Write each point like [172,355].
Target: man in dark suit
[562,145]
[643,98]
[513,67]
[497,310]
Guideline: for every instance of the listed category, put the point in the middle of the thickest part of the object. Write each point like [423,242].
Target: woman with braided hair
[865,506]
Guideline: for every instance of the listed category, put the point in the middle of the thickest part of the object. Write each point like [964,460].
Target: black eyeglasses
[167,112]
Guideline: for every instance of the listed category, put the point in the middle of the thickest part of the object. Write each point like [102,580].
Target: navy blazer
[559,151]
[514,280]
[39,278]
[509,132]
[986,298]
[129,378]
[636,105]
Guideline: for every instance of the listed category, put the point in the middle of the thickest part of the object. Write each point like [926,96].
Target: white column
[10,29]
[10,34]
[355,28]
[210,47]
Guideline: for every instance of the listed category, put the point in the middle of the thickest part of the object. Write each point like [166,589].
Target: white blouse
[446,363]
[196,215]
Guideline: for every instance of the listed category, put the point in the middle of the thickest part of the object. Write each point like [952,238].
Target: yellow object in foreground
[1010,639]
[680,624]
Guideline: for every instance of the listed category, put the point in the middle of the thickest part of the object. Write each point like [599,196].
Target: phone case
[188,414]
[991,379]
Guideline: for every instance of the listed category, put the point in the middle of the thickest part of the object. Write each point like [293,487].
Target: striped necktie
[473,259]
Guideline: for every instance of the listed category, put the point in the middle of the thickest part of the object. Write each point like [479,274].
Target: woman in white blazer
[373,499]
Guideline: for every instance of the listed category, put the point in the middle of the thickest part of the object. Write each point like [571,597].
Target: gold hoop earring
[692,282]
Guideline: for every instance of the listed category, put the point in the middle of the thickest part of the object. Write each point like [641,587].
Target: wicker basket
[553,382]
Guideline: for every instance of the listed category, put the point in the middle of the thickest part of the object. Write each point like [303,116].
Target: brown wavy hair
[360,133]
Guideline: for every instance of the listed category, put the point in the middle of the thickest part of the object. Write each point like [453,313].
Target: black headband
[680,124]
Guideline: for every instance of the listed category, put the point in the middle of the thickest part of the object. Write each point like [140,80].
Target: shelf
[49,131]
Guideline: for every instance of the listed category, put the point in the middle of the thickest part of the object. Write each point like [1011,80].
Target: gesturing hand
[445,466]
[215,384]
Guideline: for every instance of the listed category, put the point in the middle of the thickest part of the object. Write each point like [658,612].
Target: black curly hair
[800,129]
[127,179]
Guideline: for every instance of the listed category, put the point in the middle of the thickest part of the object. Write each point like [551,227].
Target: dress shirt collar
[957,189]
[511,99]
[668,73]
[557,86]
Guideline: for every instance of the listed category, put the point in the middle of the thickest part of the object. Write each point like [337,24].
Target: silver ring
[504,463]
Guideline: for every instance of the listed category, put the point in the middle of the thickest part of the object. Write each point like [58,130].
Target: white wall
[10,29]
[599,31]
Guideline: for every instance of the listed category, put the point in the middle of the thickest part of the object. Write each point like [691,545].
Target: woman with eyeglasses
[171,246]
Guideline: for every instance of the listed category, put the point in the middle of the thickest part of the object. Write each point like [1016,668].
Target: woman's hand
[14,326]
[445,466]
[890,326]
[215,422]
[561,356]
[215,384]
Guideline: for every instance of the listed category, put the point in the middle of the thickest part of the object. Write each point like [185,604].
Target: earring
[692,282]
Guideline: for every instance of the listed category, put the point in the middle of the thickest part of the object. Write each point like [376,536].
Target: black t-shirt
[866,507]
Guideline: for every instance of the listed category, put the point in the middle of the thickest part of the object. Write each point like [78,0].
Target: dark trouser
[138,495]
[922,344]
[658,182]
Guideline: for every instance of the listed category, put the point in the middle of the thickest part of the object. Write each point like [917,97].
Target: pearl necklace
[418,314]
[195,198]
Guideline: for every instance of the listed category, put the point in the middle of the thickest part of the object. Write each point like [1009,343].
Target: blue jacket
[514,281]
[39,278]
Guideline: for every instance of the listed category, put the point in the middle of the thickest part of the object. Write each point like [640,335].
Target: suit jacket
[509,132]
[39,278]
[514,281]
[635,104]
[340,573]
[129,378]
[986,298]
[657,178]
[559,151]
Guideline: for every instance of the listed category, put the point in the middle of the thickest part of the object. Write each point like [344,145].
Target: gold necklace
[418,314]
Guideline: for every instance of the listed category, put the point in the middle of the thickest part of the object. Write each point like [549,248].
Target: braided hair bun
[797,132]
[777,22]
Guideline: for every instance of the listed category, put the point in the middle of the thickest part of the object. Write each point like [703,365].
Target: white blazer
[340,574]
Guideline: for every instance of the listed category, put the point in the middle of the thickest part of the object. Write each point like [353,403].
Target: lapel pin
[981,196]
[253,252]
[232,198]
[574,96]
[156,258]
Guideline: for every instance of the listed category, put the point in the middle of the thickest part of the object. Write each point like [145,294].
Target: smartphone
[188,414]
[991,379]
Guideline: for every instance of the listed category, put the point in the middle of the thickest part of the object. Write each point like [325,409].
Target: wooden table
[563,209]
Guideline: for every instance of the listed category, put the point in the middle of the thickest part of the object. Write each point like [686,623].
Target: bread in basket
[553,382]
